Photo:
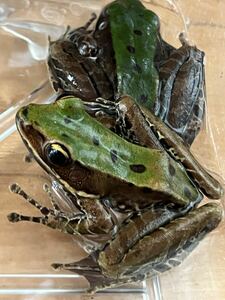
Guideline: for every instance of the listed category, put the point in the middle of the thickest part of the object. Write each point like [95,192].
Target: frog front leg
[93,217]
[139,251]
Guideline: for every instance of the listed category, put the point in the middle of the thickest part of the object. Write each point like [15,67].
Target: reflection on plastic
[43,284]
[42,94]
[34,34]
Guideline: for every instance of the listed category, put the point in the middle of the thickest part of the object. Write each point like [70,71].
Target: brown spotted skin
[82,63]
[163,243]
[142,248]
[106,60]
[76,74]
[181,101]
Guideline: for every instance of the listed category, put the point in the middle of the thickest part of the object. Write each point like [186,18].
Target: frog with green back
[153,182]
[94,164]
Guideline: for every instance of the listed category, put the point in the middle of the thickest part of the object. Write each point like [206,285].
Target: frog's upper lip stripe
[21,128]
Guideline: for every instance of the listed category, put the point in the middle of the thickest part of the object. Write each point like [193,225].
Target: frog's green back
[95,146]
[134,35]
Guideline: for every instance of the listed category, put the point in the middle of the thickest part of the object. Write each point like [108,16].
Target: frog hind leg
[163,249]
[89,268]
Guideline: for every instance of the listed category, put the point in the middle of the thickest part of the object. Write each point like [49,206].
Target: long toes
[13,217]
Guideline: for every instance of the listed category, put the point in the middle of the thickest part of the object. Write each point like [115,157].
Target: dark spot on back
[138,168]
[131,49]
[187,192]
[143,98]
[95,140]
[64,135]
[113,154]
[187,244]
[137,32]
[137,68]
[172,170]
[140,277]
[67,120]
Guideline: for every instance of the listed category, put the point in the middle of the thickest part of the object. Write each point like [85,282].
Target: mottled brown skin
[76,74]
[140,225]
[105,58]
[181,101]
[159,243]
[154,250]
[96,217]
[148,243]
[81,62]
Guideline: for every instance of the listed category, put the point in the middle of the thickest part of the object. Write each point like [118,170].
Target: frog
[74,66]
[94,165]
[98,161]
[95,181]
[129,49]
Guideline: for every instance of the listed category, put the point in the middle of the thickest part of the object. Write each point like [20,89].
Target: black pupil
[56,157]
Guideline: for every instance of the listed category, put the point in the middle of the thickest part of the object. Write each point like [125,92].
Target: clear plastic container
[28,250]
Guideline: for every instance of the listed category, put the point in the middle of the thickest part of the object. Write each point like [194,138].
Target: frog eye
[57,154]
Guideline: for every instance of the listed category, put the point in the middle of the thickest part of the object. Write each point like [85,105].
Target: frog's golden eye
[57,154]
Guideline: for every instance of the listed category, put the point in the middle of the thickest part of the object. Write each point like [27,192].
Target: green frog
[103,171]
[125,55]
